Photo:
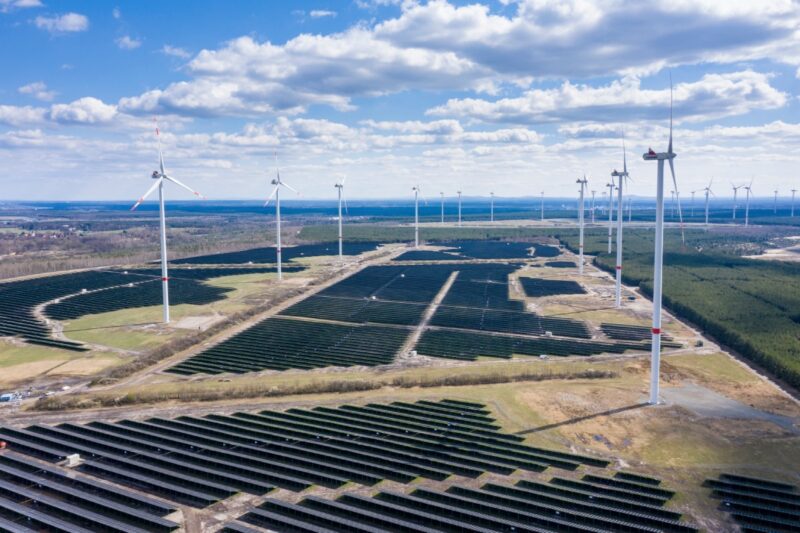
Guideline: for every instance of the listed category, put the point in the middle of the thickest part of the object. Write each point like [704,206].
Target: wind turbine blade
[624,156]
[680,212]
[179,184]
[160,154]
[271,196]
[344,199]
[148,193]
[669,148]
[290,187]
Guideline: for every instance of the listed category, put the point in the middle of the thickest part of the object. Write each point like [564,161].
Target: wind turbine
[630,208]
[417,192]
[658,260]
[459,209]
[276,193]
[794,191]
[775,203]
[623,176]
[442,202]
[735,194]
[592,209]
[691,206]
[672,205]
[610,211]
[582,182]
[160,176]
[340,190]
[542,206]
[749,189]
[491,208]
[708,192]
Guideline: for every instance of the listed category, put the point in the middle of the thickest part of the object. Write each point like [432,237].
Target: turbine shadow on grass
[582,418]
[112,326]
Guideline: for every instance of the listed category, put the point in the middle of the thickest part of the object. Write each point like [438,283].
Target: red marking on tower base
[164,279]
[656,331]
[619,268]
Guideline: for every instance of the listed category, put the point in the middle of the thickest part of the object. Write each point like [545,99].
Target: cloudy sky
[508,96]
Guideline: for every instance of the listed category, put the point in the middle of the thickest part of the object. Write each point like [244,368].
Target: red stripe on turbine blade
[656,331]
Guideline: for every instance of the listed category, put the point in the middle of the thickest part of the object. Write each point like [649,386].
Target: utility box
[72,460]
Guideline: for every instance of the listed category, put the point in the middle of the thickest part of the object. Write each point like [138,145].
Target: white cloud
[38,90]
[87,110]
[713,96]
[67,23]
[175,51]
[116,13]
[126,42]
[322,13]
[8,5]
[18,116]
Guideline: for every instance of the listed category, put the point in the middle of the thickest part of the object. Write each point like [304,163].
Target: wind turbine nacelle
[156,174]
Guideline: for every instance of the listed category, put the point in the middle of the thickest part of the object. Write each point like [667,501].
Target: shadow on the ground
[582,418]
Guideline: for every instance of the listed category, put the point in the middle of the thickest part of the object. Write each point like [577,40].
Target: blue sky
[511,96]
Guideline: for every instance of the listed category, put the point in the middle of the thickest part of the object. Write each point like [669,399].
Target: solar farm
[468,337]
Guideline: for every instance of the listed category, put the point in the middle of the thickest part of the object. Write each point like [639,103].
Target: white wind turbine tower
[749,189]
[417,192]
[582,182]
[691,206]
[672,204]
[459,209]
[630,208]
[542,207]
[592,209]
[276,193]
[491,208]
[658,260]
[610,211]
[622,177]
[735,194]
[775,203]
[442,197]
[160,176]
[794,191]
[708,192]
[340,191]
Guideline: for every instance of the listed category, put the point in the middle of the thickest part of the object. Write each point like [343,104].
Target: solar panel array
[561,264]
[269,255]
[468,346]
[281,343]
[480,249]
[143,289]
[539,287]
[198,461]
[593,504]
[74,295]
[758,505]
[39,497]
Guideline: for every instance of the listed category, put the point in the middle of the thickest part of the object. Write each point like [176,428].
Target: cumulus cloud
[87,110]
[126,42]
[18,116]
[66,23]
[321,13]
[714,95]
[9,5]
[38,90]
[175,51]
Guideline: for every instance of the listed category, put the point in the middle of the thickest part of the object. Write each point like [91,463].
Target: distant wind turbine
[622,178]
[582,181]
[459,209]
[708,192]
[276,193]
[417,192]
[691,205]
[592,209]
[161,176]
[491,208]
[658,260]
[749,189]
[340,191]
[610,211]
[542,207]
[794,191]
[735,194]
[775,203]
[442,202]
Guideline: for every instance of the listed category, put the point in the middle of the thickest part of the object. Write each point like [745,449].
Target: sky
[513,97]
